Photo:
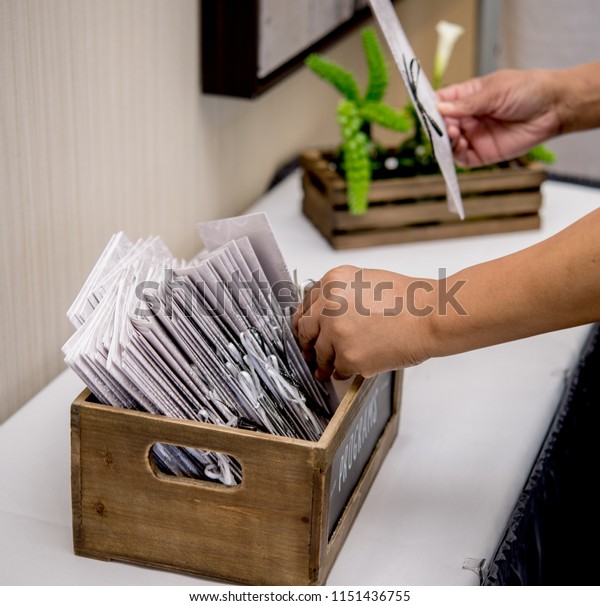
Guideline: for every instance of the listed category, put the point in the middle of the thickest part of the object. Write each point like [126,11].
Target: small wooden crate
[284,524]
[414,208]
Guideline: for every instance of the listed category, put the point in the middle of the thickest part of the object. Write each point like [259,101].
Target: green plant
[542,154]
[356,112]
[359,157]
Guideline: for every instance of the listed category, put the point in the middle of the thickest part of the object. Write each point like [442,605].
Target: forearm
[577,94]
[552,285]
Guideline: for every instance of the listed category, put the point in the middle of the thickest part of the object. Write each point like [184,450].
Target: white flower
[448,34]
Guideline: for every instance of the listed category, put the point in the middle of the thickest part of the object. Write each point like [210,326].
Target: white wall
[103,127]
[555,34]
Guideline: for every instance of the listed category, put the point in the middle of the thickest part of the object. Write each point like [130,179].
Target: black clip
[413,78]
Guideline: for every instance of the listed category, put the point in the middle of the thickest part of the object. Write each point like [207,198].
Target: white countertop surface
[470,429]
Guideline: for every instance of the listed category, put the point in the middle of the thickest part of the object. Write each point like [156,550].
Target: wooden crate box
[414,208]
[284,524]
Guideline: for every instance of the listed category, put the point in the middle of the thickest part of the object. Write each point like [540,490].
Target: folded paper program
[208,340]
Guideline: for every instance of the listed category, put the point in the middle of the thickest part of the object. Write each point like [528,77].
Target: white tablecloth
[471,427]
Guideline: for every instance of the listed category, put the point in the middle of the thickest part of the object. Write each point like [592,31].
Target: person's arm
[552,285]
[506,113]
[369,321]
[578,97]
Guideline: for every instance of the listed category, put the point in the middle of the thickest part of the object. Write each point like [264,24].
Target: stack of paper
[208,340]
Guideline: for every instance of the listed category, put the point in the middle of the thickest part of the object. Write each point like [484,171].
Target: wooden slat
[270,529]
[432,232]
[317,207]
[495,201]
[426,186]
[257,532]
[434,185]
[510,179]
[400,214]
[331,181]
[76,490]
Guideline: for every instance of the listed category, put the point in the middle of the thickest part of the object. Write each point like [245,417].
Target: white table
[471,427]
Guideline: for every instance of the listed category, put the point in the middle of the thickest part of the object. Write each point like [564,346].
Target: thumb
[477,103]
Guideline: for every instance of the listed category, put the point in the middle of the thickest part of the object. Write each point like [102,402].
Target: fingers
[455,92]
[470,98]
[328,363]
[454,131]
[339,376]
[448,109]
[312,294]
[447,94]
[474,105]
[316,346]
[460,144]
[460,148]
[317,330]
[309,299]
[325,358]
[307,332]
[458,132]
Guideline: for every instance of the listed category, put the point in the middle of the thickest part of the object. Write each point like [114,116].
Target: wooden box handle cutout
[217,478]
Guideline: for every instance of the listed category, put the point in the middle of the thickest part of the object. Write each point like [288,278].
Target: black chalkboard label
[354,452]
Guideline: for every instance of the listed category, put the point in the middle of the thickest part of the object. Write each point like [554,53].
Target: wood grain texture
[476,207]
[103,127]
[330,183]
[232,51]
[414,208]
[128,512]
[433,232]
[271,529]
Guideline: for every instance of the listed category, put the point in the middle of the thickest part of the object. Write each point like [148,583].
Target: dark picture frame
[230,47]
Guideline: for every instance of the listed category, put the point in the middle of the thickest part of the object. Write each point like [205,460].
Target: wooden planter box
[414,208]
[284,524]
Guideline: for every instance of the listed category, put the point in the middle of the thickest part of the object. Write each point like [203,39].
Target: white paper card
[206,340]
[425,97]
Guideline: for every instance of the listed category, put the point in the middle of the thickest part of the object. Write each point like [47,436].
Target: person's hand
[361,321]
[500,116]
